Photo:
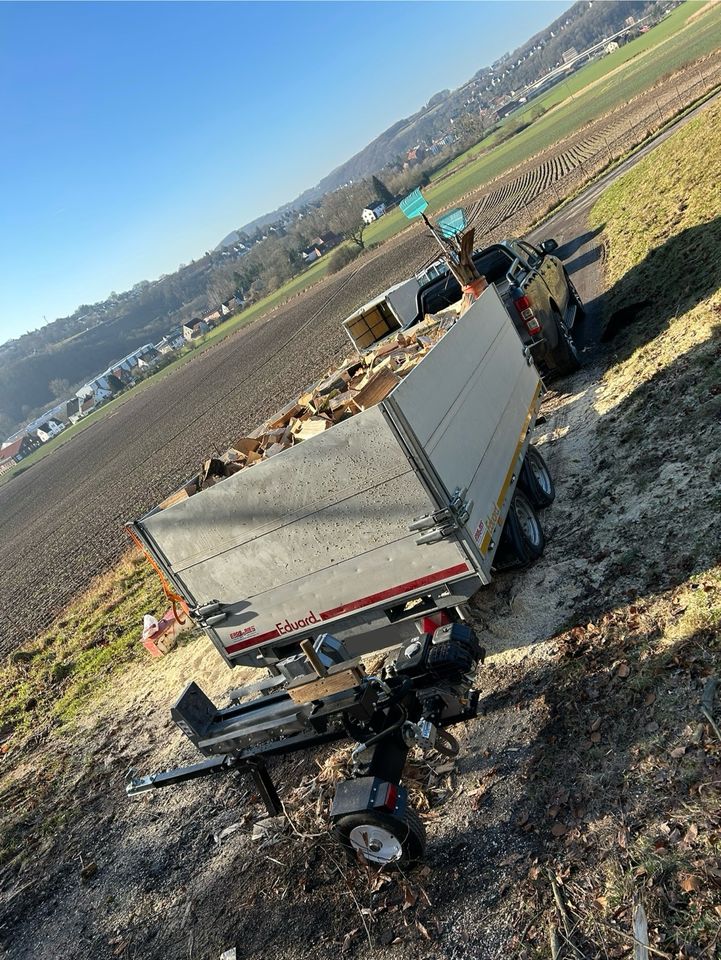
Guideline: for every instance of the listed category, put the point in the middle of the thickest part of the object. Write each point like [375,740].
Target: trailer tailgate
[306,537]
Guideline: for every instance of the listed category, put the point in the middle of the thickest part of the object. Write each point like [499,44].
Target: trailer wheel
[522,540]
[383,839]
[536,480]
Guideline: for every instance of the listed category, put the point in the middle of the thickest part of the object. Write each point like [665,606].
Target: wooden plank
[326,686]
[284,416]
[343,400]
[187,491]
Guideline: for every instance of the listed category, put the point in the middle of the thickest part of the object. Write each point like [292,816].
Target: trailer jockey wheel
[381,838]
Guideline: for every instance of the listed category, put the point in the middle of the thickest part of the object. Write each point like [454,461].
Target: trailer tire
[522,540]
[536,481]
[383,839]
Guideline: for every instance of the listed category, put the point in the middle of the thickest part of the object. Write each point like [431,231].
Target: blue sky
[136,135]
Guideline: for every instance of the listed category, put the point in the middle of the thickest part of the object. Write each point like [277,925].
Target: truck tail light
[525,312]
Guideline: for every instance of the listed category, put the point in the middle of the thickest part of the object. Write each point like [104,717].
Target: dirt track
[61,522]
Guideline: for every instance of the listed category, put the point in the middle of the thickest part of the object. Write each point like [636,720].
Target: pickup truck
[533,284]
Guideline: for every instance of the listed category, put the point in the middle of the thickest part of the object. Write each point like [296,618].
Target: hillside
[581,26]
[75,348]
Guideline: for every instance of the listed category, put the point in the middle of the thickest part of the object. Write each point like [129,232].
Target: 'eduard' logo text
[289,626]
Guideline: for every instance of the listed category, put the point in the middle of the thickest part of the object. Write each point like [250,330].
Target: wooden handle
[307,647]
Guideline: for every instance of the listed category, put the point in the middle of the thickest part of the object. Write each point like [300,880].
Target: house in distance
[195,328]
[374,211]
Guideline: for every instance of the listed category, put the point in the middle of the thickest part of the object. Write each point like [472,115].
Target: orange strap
[174,598]
[476,287]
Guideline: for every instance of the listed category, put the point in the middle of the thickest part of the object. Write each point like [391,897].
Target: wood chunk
[187,491]
[325,686]
[377,389]
[386,348]
[305,398]
[246,445]
[305,429]
[342,401]
[336,381]
[284,416]
[273,436]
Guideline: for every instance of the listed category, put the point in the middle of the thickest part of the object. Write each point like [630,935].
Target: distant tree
[381,191]
[59,388]
[356,234]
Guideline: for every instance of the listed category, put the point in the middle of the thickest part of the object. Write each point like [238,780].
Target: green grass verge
[50,680]
[672,47]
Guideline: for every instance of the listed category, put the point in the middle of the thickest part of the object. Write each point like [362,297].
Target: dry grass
[626,783]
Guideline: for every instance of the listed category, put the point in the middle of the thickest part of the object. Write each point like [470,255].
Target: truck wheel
[522,539]
[383,839]
[565,356]
[575,296]
[536,480]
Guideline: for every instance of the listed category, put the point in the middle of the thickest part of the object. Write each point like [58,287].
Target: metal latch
[444,522]
[210,613]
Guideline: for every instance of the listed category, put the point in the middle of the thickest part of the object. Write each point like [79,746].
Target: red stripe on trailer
[395,591]
[252,641]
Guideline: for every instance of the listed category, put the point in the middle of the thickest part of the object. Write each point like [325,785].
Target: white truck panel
[309,535]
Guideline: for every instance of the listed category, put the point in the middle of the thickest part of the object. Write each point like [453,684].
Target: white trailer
[349,530]
[369,535]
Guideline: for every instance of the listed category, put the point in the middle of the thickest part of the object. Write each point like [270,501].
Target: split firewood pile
[362,381]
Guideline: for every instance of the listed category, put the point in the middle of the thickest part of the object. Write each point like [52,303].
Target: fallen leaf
[559,829]
[623,670]
[596,737]
[690,883]
[677,752]
[649,698]
[596,725]
[423,930]
[409,899]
